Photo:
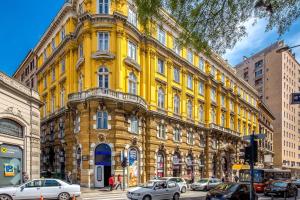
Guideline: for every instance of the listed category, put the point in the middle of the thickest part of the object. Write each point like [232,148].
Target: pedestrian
[25,177]
[69,177]
[111,182]
[119,183]
[236,178]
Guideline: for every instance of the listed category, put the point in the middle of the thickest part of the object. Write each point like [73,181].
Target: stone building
[109,90]
[19,132]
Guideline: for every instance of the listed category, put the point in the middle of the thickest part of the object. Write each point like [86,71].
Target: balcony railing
[225,130]
[107,93]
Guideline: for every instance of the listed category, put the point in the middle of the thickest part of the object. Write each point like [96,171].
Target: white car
[180,181]
[205,184]
[48,188]
[155,190]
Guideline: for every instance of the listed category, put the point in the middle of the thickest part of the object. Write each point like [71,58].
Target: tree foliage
[219,24]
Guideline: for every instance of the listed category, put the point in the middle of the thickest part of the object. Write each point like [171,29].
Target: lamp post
[286,48]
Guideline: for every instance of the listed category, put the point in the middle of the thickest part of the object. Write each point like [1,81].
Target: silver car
[205,184]
[180,181]
[155,190]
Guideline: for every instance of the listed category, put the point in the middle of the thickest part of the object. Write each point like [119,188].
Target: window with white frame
[134,125]
[213,71]
[80,50]
[62,97]
[103,6]
[132,50]
[132,17]
[63,65]
[102,120]
[161,36]
[53,44]
[213,115]
[177,135]
[62,33]
[52,103]
[176,104]
[77,123]
[45,55]
[213,96]
[162,131]
[161,98]
[231,105]
[223,78]
[132,82]
[201,114]
[190,56]
[80,83]
[103,78]
[201,88]
[160,66]
[53,74]
[176,47]
[190,138]
[176,74]
[190,109]
[103,41]
[223,118]
[222,100]
[231,122]
[190,81]
[201,64]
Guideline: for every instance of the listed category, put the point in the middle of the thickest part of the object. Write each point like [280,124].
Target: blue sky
[23,23]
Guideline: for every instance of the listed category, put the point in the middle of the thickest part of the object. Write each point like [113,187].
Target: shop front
[176,165]
[11,165]
[160,164]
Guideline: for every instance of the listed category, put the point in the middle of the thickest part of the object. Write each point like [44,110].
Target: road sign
[259,136]
[295,98]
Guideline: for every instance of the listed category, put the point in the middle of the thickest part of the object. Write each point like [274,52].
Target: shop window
[160,164]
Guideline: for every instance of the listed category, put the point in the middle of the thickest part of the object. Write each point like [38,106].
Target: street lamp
[286,48]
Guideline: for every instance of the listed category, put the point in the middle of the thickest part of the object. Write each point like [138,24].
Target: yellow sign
[240,166]
[9,170]
[3,150]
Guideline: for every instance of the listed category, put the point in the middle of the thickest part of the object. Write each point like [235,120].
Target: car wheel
[5,197]
[176,196]
[64,196]
[183,190]
[147,197]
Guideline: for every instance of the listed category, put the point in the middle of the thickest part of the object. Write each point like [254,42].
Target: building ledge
[132,63]
[106,55]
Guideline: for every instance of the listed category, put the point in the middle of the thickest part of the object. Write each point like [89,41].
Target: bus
[263,176]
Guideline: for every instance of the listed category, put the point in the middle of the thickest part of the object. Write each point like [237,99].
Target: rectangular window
[102,118]
[190,56]
[103,7]
[80,50]
[213,71]
[103,41]
[258,73]
[132,18]
[190,81]
[190,138]
[161,36]
[62,33]
[176,74]
[132,50]
[162,131]
[176,47]
[223,101]
[258,64]
[63,65]
[53,44]
[160,66]
[53,74]
[177,135]
[213,95]
[62,98]
[45,82]
[52,103]
[134,125]
[201,88]
[45,55]
[201,64]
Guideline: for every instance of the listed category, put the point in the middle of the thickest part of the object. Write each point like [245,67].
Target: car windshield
[227,187]
[203,181]
[149,184]
[279,184]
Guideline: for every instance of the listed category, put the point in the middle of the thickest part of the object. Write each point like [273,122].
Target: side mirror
[22,188]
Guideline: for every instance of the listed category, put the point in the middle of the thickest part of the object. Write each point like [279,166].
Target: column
[169,86]
[87,64]
[119,73]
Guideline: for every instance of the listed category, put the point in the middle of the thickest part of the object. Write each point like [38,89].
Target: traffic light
[248,153]
[124,162]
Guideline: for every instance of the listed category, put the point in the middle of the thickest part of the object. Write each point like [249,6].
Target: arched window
[132,82]
[102,118]
[160,164]
[176,104]
[10,127]
[190,109]
[103,77]
[161,98]
[201,114]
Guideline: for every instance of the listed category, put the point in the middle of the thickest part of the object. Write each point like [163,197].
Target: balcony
[224,130]
[96,93]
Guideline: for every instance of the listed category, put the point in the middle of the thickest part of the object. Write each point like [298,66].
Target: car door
[51,188]
[210,184]
[160,190]
[30,190]
[172,188]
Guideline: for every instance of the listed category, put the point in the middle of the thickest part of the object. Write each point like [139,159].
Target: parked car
[205,184]
[297,182]
[282,188]
[48,188]
[230,191]
[180,181]
[155,190]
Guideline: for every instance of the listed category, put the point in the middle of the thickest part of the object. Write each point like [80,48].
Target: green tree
[218,24]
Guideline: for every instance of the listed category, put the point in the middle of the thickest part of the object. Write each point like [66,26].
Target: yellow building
[109,88]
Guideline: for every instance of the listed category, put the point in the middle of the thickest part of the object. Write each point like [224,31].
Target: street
[189,195]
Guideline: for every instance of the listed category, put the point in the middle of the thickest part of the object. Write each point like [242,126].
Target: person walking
[69,177]
[119,183]
[111,182]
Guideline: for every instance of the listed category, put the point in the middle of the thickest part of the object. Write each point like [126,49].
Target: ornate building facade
[109,90]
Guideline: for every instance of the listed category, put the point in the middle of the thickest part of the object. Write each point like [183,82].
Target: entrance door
[102,165]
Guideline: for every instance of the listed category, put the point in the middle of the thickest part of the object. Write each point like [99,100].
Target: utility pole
[252,166]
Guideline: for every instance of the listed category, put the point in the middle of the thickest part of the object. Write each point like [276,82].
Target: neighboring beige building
[19,132]
[276,76]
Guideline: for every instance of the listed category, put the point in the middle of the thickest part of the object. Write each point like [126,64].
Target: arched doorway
[160,164]
[214,165]
[133,167]
[201,165]
[176,165]
[190,167]
[102,165]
